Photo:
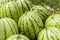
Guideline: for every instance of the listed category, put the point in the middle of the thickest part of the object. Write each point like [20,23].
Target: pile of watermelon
[23,20]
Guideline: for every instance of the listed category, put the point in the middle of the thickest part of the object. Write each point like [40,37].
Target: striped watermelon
[5,1]
[11,10]
[42,11]
[30,24]
[50,33]
[17,37]
[7,28]
[25,5]
[53,20]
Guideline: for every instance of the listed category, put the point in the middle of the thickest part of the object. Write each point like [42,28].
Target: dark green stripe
[9,25]
[45,13]
[39,19]
[10,11]
[22,7]
[32,25]
[4,28]
[27,4]
[22,27]
[16,9]
[35,22]
[2,11]
[41,13]
[57,23]
[14,26]
[54,33]
[47,34]
[28,29]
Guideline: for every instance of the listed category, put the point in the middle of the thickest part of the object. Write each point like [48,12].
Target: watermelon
[17,37]
[25,5]
[2,2]
[30,24]
[49,33]
[42,11]
[7,28]
[11,10]
[53,20]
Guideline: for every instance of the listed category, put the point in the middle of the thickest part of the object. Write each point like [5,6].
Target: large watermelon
[50,33]
[17,37]
[11,10]
[42,11]
[30,24]
[7,28]
[25,5]
[53,20]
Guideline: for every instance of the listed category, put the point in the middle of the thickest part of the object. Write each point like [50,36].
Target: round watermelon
[7,28]
[17,37]
[42,11]
[25,5]
[50,33]
[11,10]
[30,24]
[53,20]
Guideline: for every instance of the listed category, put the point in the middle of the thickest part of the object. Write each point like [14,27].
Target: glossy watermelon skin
[30,24]
[17,37]
[11,10]
[42,11]
[50,33]
[7,28]
[25,5]
[53,20]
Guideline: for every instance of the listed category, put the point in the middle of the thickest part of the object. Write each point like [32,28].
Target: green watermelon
[17,37]
[42,11]
[7,28]
[30,24]
[11,10]
[2,2]
[49,33]
[25,5]
[53,20]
